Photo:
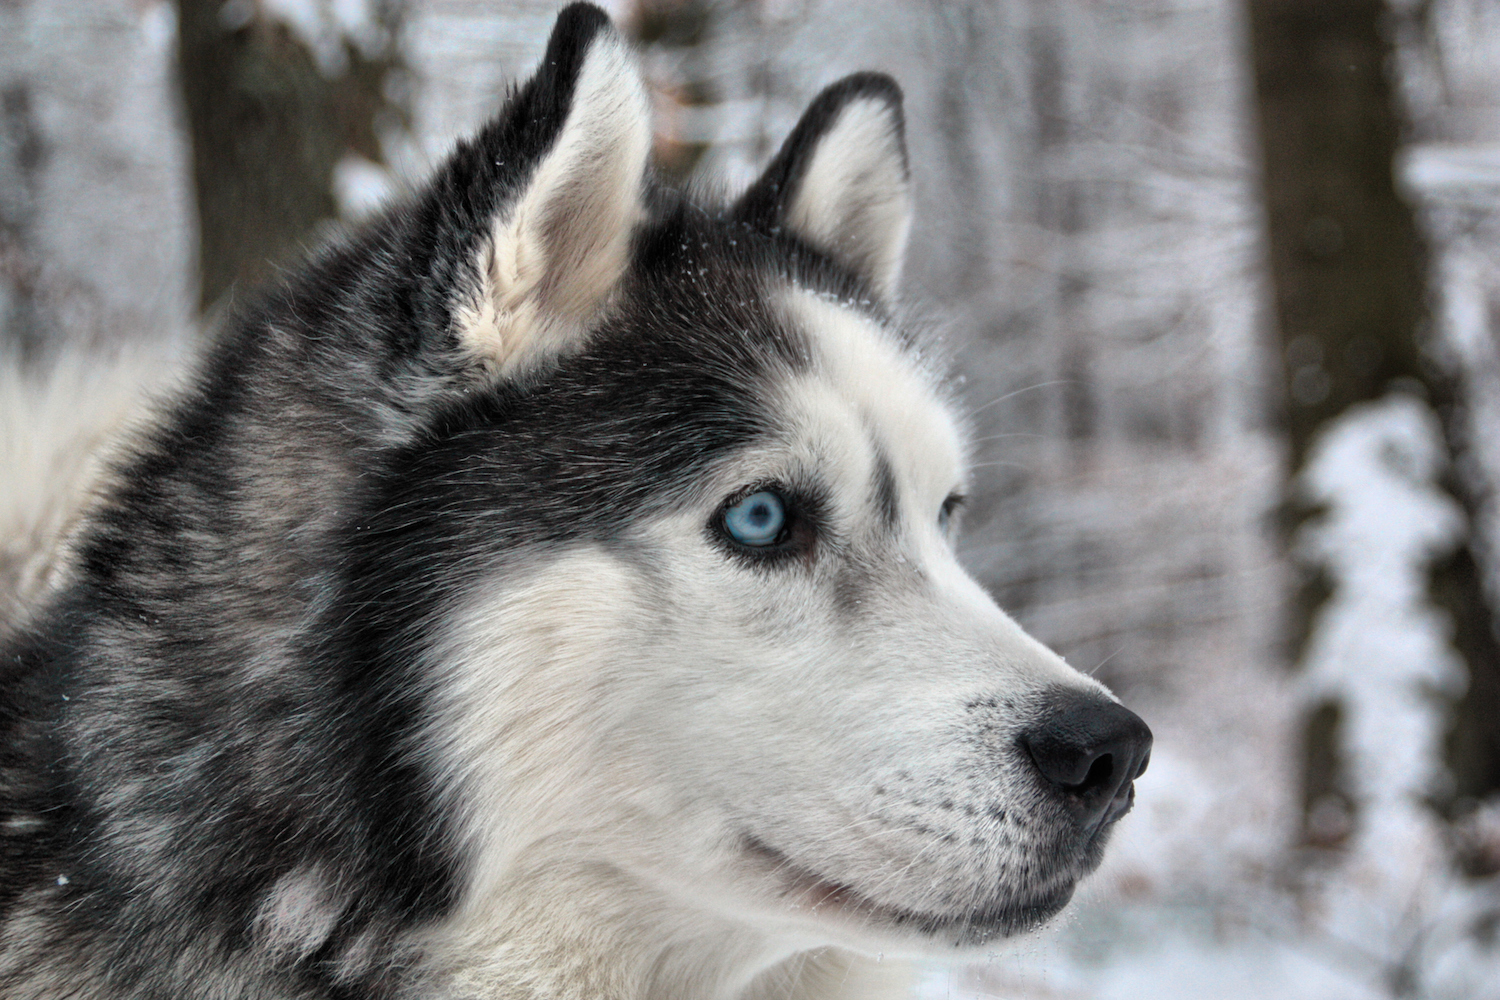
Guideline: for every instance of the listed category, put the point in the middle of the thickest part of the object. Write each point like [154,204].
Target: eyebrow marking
[885,488]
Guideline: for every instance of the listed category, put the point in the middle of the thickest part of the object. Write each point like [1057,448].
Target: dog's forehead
[861,373]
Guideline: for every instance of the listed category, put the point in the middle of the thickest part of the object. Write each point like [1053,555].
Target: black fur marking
[886,494]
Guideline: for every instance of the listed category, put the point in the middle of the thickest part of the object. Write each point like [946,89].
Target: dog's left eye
[758,520]
[945,515]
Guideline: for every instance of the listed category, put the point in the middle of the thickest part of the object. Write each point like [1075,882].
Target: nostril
[1100,771]
[1068,760]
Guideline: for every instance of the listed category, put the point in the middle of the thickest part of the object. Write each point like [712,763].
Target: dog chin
[1017,911]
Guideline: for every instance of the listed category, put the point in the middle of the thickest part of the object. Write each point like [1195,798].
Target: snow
[1382,650]
[325,26]
[360,186]
[1379,646]
[1448,168]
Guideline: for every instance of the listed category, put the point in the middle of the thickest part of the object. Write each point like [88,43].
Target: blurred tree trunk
[1350,280]
[22,323]
[268,127]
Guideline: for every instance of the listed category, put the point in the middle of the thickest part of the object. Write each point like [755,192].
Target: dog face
[847,711]
[712,646]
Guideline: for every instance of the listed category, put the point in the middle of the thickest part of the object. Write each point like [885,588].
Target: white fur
[558,250]
[854,198]
[299,913]
[615,724]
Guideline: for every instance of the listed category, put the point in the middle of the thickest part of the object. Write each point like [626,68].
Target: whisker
[1102,662]
[1017,392]
[997,464]
[1013,434]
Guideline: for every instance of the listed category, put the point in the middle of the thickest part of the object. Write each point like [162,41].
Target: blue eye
[757,519]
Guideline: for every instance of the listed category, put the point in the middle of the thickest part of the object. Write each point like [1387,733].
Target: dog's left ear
[558,242]
[840,181]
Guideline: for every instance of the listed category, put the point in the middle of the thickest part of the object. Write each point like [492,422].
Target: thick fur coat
[547,591]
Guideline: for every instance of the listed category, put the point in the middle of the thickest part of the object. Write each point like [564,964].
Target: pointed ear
[840,181]
[558,242]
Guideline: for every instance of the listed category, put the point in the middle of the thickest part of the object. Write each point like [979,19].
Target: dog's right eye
[757,520]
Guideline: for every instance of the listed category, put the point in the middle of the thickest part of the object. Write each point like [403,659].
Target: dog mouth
[811,892]
[1122,802]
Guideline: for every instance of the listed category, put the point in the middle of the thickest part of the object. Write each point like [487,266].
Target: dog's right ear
[557,183]
[840,181]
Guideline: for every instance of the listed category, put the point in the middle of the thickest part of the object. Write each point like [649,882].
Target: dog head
[672,548]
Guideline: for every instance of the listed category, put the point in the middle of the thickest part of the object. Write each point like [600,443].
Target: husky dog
[548,592]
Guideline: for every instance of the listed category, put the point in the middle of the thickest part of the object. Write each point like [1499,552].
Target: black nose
[1090,749]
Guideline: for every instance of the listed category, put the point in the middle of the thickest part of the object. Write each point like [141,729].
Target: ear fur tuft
[841,182]
[558,246]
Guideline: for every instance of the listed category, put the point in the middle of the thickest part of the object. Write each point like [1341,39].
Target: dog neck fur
[561,904]
[554,256]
